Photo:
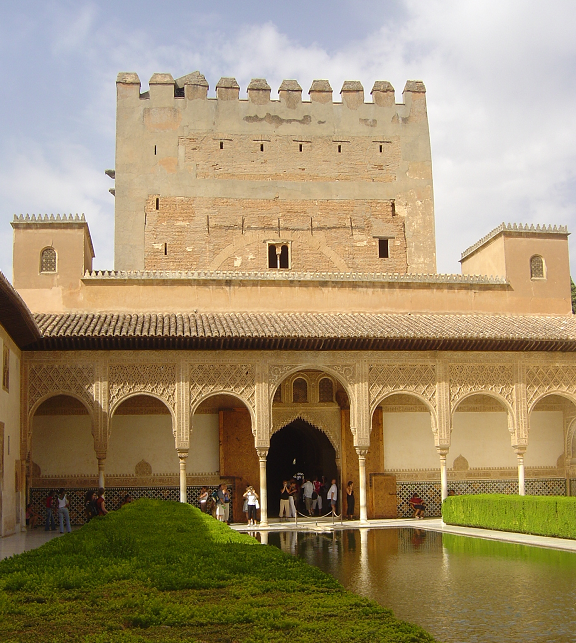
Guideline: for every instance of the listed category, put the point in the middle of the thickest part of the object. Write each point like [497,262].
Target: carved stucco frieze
[60,379]
[346,371]
[544,378]
[481,378]
[277,372]
[384,379]
[128,379]
[239,379]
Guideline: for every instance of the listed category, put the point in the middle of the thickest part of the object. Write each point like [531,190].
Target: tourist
[63,513]
[203,499]
[224,503]
[333,496]
[90,505]
[101,503]
[451,492]
[245,505]
[252,500]
[350,501]
[417,505]
[284,501]
[307,491]
[50,504]
[292,490]
[317,501]
[127,500]
[31,516]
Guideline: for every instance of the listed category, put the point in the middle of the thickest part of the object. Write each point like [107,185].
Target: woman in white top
[63,512]
[252,501]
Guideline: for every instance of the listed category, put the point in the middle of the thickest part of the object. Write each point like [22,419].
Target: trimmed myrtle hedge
[539,515]
[162,571]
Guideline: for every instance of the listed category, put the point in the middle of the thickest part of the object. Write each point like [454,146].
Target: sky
[500,78]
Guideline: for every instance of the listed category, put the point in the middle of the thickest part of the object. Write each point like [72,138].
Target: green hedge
[163,571]
[539,515]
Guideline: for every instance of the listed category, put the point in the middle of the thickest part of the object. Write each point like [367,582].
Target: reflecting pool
[460,589]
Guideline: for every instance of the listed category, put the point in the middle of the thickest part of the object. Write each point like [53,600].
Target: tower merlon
[320,91]
[290,93]
[194,85]
[127,85]
[383,93]
[352,93]
[161,90]
[259,91]
[227,89]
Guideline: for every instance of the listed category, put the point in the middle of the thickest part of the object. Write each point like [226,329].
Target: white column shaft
[183,486]
[521,488]
[443,478]
[362,474]
[263,491]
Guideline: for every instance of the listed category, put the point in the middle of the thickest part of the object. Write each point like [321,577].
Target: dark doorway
[298,447]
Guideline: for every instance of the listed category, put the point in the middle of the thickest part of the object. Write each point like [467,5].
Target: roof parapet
[522,228]
[227,89]
[320,91]
[290,93]
[383,93]
[49,218]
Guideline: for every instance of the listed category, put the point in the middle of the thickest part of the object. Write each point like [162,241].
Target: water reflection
[459,589]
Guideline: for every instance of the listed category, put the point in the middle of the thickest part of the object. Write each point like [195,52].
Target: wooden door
[382,501]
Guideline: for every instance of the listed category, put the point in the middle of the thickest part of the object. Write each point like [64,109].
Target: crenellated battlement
[195,86]
[49,218]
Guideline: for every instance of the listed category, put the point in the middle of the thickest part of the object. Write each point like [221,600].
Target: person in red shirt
[417,505]
[101,503]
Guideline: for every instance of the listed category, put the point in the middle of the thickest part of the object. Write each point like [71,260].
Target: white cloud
[501,95]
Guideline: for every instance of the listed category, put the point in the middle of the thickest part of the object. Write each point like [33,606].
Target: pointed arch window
[300,391]
[326,390]
[48,260]
[537,267]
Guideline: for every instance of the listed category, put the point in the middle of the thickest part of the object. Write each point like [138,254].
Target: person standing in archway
[350,500]
[307,491]
[284,501]
[333,496]
[63,513]
[252,501]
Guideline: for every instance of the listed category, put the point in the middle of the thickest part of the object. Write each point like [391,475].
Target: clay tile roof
[15,316]
[306,331]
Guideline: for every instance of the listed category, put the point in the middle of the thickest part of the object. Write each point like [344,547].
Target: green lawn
[162,571]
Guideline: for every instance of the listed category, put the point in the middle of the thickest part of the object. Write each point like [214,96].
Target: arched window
[300,391]
[537,267]
[326,390]
[48,260]
[278,256]
[284,262]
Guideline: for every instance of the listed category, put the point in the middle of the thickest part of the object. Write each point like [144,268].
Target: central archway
[298,447]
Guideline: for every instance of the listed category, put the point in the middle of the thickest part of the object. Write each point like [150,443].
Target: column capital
[262,453]
[361,452]
[520,450]
[182,454]
[442,450]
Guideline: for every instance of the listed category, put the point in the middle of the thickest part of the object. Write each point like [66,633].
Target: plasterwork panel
[53,378]
[235,378]
[544,378]
[326,420]
[127,379]
[481,378]
[384,379]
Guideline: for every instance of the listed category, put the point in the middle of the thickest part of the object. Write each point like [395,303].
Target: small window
[300,391]
[381,148]
[48,260]
[383,249]
[278,256]
[537,267]
[300,147]
[154,150]
[261,147]
[326,390]
[165,249]
[157,203]
[339,149]
[6,368]
[221,145]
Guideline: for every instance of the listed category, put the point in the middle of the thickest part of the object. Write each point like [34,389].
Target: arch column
[101,457]
[262,456]
[182,457]
[443,452]
[519,422]
[520,456]
[362,453]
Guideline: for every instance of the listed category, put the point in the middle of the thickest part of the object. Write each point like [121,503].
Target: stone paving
[25,541]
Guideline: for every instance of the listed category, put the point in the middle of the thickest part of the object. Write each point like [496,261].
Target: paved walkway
[430,524]
[24,541]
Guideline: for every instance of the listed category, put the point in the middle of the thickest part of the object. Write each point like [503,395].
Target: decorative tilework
[114,496]
[430,492]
